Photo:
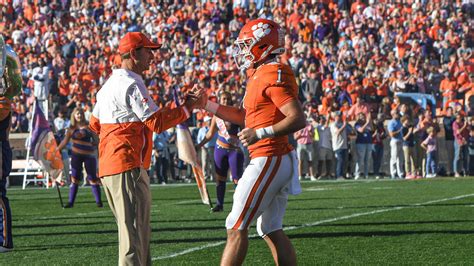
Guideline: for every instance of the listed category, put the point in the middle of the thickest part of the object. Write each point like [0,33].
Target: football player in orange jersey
[270,112]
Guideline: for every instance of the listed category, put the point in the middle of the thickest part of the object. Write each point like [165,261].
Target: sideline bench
[34,172]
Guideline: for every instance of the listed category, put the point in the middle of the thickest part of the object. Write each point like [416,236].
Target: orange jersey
[268,88]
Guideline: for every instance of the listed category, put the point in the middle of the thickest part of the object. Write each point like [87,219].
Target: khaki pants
[450,153]
[207,159]
[408,153]
[129,197]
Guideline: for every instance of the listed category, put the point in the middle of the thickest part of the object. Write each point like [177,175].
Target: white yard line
[318,189]
[70,215]
[345,217]
[187,202]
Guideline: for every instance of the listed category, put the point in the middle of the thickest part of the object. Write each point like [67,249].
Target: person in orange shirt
[354,89]
[451,100]
[327,102]
[271,111]
[223,34]
[328,82]
[64,87]
[294,18]
[369,86]
[468,86]
[124,117]
[355,6]
[305,32]
[447,84]
[359,107]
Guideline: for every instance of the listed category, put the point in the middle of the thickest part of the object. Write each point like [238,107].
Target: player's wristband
[186,111]
[266,132]
[211,107]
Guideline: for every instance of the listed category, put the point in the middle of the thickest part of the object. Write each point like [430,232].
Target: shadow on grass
[34,199]
[28,226]
[65,246]
[73,217]
[106,244]
[110,220]
[114,231]
[379,233]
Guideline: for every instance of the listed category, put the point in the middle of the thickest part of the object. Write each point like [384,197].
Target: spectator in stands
[408,147]
[304,139]
[424,122]
[448,120]
[311,86]
[430,145]
[315,124]
[461,153]
[339,136]
[177,63]
[359,107]
[396,153]
[61,124]
[207,150]
[363,129]
[162,155]
[324,148]
[471,151]
[377,146]
[40,76]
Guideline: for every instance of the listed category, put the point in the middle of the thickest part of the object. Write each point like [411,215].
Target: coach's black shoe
[100,205]
[217,208]
[68,205]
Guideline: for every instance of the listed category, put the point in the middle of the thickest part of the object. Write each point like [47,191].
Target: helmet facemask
[242,54]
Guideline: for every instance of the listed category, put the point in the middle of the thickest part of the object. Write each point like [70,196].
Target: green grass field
[365,222]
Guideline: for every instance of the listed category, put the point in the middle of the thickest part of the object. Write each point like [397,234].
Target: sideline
[215,244]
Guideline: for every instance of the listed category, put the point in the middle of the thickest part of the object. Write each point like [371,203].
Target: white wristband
[211,107]
[266,132]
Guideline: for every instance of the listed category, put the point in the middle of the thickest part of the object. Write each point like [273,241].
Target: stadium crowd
[351,58]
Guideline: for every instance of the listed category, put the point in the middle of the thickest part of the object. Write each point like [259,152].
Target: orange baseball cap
[135,40]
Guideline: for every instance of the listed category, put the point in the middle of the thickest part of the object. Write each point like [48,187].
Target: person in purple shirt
[84,146]
[228,154]
[322,31]
[461,152]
